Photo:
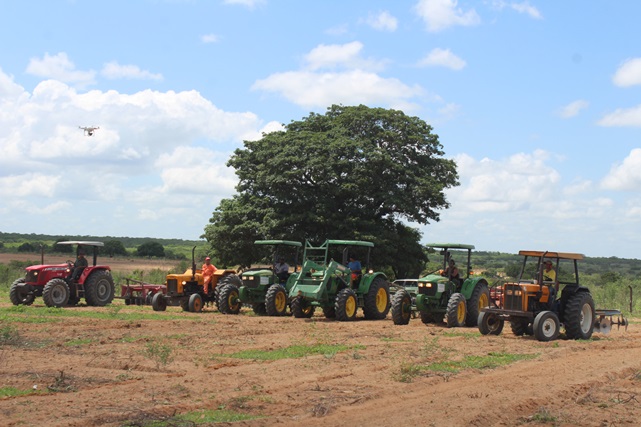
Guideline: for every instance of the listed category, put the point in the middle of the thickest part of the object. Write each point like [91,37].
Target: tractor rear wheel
[229,300]
[329,312]
[301,309]
[346,305]
[158,302]
[18,296]
[579,317]
[259,309]
[376,303]
[56,293]
[99,288]
[276,300]
[490,323]
[456,311]
[521,327]
[195,303]
[401,307]
[479,299]
[184,304]
[427,317]
[546,326]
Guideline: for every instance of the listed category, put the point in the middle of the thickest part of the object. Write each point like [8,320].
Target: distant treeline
[129,242]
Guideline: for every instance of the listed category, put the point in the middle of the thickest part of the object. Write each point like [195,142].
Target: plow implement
[605,319]
[137,292]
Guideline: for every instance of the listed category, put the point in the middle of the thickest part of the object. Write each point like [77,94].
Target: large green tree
[352,173]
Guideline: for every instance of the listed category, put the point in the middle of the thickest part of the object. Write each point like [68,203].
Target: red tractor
[64,284]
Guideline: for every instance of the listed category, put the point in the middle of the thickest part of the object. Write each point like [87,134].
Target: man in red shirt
[208,271]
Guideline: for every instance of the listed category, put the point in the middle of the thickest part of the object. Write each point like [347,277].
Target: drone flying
[89,130]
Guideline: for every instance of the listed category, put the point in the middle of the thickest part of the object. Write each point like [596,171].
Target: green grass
[491,361]
[293,352]
[29,314]
[202,417]
[12,391]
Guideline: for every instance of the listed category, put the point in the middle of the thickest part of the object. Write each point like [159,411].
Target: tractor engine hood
[433,278]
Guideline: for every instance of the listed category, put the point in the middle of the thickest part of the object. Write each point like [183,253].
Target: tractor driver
[281,269]
[355,267]
[549,275]
[451,272]
[208,271]
[79,265]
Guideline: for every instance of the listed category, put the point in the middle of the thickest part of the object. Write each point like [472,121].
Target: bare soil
[94,372]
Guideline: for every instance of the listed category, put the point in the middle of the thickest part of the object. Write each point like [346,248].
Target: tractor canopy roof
[278,242]
[350,243]
[548,254]
[449,245]
[81,242]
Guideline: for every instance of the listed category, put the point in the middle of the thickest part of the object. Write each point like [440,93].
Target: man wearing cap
[549,274]
[281,269]
[208,271]
[79,265]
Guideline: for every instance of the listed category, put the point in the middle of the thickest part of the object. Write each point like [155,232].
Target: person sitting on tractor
[549,275]
[208,271]
[451,272]
[355,267]
[79,265]
[281,269]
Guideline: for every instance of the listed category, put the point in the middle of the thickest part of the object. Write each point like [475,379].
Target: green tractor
[339,289]
[264,288]
[448,293]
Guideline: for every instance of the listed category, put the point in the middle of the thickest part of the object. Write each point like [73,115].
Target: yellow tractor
[187,289]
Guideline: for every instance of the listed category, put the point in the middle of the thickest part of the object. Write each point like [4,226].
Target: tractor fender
[470,284]
[88,270]
[366,281]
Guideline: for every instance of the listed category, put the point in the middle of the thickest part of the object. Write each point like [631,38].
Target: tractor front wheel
[158,302]
[99,288]
[346,305]
[456,311]
[18,296]
[259,309]
[376,303]
[276,300]
[479,299]
[56,293]
[229,299]
[401,307]
[579,316]
[301,309]
[195,303]
[490,323]
[546,326]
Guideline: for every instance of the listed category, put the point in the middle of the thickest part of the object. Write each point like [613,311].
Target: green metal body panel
[278,242]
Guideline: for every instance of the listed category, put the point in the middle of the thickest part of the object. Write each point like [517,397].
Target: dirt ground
[98,372]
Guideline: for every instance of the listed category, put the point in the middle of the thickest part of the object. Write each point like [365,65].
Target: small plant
[9,335]
[543,415]
[407,372]
[161,354]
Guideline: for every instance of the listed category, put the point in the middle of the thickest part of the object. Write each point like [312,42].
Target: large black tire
[329,312]
[276,300]
[99,288]
[521,327]
[195,303]
[456,311]
[376,303]
[579,316]
[546,326]
[259,308]
[301,309]
[231,279]
[18,296]
[184,304]
[159,302]
[56,293]
[401,307]
[479,299]
[346,305]
[489,323]
[229,299]
[427,317]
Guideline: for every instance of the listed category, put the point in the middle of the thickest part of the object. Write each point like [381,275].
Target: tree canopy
[353,173]
[151,249]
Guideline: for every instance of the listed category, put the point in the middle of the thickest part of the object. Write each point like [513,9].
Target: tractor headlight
[425,285]
[183,283]
[35,273]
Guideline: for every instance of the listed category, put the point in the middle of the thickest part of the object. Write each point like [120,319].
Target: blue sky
[538,102]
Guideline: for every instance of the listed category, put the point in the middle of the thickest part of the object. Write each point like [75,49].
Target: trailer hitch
[605,320]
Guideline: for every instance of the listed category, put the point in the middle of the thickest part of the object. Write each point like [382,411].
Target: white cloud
[249,4]
[629,73]
[209,38]
[441,14]
[443,58]
[8,88]
[59,67]
[627,175]
[113,70]
[622,117]
[528,9]
[382,21]
[573,109]
[343,56]
[310,90]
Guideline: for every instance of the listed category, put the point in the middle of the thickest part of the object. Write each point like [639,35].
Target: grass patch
[12,391]
[161,354]
[28,314]
[491,361]
[9,335]
[202,417]
[294,352]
